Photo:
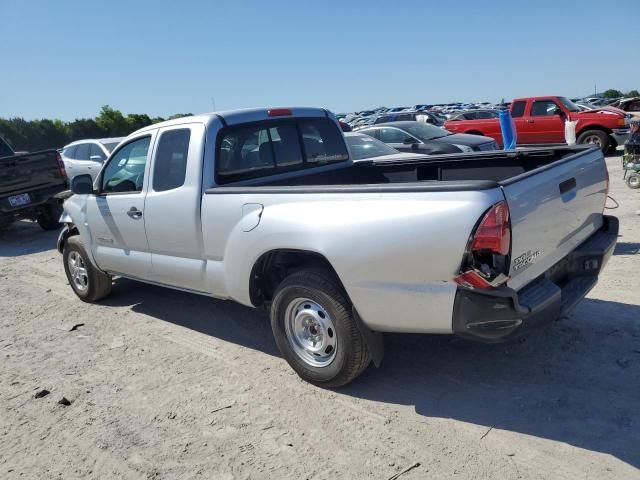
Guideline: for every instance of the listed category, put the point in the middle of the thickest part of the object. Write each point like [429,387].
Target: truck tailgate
[553,209]
[23,173]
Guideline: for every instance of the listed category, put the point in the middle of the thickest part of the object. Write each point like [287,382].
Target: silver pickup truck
[266,207]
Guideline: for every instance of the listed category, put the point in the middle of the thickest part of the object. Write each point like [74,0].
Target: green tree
[612,93]
[633,93]
[112,122]
[136,121]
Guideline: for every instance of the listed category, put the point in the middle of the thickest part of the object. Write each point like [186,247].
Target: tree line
[34,135]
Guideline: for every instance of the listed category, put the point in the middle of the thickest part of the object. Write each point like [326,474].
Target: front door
[544,123]
[116,214]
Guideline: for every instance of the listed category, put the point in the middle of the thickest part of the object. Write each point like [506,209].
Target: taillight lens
[486,263]
[279,112]
[494,231]
[61,168]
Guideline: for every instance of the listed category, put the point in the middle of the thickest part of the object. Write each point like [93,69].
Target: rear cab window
[517,109]
[276,146]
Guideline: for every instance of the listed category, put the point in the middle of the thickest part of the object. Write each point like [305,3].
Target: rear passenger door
[172,208]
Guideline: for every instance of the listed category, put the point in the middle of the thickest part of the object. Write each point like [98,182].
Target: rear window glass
[267,148]
[170,167]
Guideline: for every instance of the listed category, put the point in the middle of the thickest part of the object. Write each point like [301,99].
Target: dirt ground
[168,385]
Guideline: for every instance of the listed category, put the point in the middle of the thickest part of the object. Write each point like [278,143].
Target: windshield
[364,146]
[424,131]
[569,105]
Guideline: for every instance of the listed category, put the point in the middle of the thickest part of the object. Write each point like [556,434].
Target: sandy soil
[169,385]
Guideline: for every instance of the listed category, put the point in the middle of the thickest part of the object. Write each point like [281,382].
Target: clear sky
[64,59]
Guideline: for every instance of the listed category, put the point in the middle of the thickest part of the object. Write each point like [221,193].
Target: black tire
[351,355]
[98,284]
[49,217]
[633,181]
[595,137]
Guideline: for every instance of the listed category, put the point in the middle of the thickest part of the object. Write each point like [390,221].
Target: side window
[70,152]
[125,170]
[517,110]
[170,164]
[634,106]
[96,151]
[393,135]
[543,108]
[486,115]
[82,152]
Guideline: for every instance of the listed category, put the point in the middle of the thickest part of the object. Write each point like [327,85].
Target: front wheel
[314,328]
[595,137]
[633,181]
[88,283]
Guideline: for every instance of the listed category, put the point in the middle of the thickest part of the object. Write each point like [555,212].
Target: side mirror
[558,111]
[82,185]
[409,141]
[96,158]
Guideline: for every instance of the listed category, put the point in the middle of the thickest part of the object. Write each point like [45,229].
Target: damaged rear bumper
[501,314]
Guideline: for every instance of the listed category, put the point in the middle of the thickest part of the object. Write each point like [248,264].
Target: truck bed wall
[496,166]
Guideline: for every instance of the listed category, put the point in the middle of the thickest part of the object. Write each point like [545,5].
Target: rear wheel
[595,137]
[88,283]
[49,217]
[314,328]
[633,181]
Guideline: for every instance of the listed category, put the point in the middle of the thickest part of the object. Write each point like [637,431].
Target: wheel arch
[273,266]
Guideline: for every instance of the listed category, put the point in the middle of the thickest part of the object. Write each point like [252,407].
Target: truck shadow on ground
[226,320]
[25,238]
[577,381]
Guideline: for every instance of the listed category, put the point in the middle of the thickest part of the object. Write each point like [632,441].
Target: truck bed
[444,172]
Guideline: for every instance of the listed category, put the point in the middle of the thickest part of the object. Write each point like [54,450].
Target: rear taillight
[494,231]
[61,169]
[486,262]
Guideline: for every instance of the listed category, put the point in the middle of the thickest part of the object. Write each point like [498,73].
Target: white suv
[87,156]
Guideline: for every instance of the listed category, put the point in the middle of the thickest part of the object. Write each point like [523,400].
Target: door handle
[567,186]
[530,121]
[134,213]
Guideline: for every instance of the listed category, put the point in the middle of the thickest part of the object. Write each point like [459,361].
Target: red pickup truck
[540,120]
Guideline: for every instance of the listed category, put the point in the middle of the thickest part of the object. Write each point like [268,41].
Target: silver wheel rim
[593,140]
[633,181]
[78,272]
[310,332]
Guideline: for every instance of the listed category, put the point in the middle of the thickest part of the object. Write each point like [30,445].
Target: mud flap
[374,340]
